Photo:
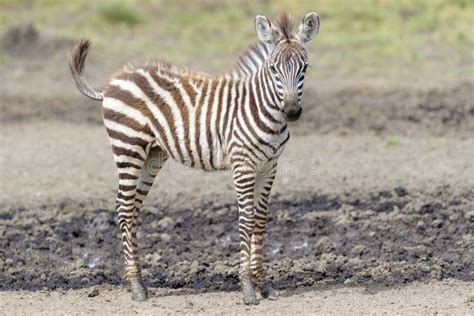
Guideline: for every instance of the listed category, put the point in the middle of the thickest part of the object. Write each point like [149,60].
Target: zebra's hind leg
[153,164]
[263,187]
[135,179]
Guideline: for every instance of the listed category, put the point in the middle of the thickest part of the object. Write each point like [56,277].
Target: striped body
[237,121]
[201,122]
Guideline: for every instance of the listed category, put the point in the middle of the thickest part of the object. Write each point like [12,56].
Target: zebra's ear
[265,32]
[309,28]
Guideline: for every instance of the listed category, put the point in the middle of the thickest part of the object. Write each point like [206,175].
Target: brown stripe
[119,151]
[208,126]
[128,165]
[220,105]
[197,133]
[185,82]
[127,176]
[126,139]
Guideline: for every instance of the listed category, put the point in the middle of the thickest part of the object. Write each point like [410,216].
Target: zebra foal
[236,121]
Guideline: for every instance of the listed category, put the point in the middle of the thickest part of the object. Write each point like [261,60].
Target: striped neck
[264,103]
[251,61]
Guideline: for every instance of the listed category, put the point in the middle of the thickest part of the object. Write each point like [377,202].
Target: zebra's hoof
[250,298]
[267,291]
[139,292]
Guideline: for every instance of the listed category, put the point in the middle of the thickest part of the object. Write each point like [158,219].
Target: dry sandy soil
[372,212]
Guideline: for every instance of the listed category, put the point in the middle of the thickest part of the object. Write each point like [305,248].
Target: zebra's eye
[273,69]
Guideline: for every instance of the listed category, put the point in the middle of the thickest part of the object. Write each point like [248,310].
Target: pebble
[93,293]
[9,261]
[152,258]
[165,237]
[349,281]
[358,250]
[437,223]
[165,222]
[470,215]
[325,244]
[400,191]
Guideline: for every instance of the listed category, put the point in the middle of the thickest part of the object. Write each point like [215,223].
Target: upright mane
[250,61]
[284,24]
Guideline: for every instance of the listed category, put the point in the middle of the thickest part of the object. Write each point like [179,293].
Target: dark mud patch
[381,238]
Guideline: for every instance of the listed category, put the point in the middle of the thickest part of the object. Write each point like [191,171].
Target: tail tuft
[77,64]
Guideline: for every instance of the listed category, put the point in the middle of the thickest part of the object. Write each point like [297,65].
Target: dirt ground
[372,211]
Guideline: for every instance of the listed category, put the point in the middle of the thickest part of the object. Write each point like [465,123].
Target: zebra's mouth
[293,115]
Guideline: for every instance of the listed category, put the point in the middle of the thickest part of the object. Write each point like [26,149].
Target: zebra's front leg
[263,187]
[244,181]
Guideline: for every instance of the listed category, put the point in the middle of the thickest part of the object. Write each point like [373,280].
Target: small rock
[349,281]
[420,224]
[437,223]
[43,276]
[9,261]
[194,268]
[93,293]
[325,245]
[165,222]
[358,251]
[454,217]
[470,215]
[165,237]
[84,280]
[400,191]
[153,258]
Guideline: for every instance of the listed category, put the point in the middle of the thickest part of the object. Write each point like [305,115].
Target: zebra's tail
[76,64]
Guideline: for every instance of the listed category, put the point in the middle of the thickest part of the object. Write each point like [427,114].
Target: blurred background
[382,43]
[410,39]
[375,185]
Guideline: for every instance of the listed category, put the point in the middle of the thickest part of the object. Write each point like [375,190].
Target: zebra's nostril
[294,113]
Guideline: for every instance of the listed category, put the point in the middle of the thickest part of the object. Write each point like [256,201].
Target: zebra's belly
[203,159]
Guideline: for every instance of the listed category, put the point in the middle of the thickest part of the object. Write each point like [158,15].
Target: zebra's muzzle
[293,114]
[291,108]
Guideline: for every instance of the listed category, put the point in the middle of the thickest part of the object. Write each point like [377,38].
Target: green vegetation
[33,255]
[119,11]
[362,38]
[392,142]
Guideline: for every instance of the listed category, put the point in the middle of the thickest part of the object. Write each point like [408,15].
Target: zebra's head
[288,60]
